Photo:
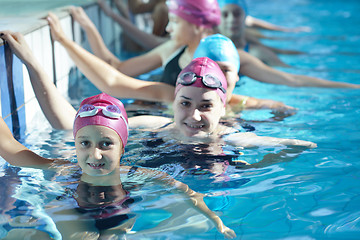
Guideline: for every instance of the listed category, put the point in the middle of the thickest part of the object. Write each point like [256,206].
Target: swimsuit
[184,154]
[192,163]
[172,68]
[107,217]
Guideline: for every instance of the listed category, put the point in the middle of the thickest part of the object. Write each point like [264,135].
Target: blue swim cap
[240,3]
[218,48]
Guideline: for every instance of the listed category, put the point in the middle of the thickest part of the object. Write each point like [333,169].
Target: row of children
[200,77]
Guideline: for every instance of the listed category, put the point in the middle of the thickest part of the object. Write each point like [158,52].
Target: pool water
[316,195]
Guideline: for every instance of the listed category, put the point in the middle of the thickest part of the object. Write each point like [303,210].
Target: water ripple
[332,164]
[350,223]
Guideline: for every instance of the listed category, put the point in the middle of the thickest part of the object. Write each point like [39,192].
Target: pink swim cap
[204,71]
[199,12]
[103,110]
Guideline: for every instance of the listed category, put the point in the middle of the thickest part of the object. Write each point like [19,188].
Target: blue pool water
[314,196]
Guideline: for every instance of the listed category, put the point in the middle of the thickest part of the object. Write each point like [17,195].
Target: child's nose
[168,27]
[196,115]
[96,153]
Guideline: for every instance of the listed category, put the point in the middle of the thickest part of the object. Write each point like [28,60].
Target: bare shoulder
[166,49]
[148,121]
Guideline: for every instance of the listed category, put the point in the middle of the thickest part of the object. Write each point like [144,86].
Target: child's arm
[196,199]
[96,41]
[258,23]
[144,39]
[55,107]
[241,102]
[257,70]
[133,66]
[249,140]
[14,152]
[107,78]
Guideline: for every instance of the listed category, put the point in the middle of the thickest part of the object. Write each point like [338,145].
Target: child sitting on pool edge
[101,133]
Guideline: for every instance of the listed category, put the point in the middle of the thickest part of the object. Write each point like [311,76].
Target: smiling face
[99,150]
[232,20]
[197,111]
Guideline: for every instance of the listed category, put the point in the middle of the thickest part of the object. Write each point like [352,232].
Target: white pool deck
[53,58]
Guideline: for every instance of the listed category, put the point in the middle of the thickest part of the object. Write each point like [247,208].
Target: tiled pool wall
[19,106]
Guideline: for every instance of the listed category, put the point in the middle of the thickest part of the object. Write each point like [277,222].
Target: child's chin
[199,134]
[97,174]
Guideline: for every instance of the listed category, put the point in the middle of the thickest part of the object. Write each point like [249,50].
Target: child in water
[200,100]
[101,132]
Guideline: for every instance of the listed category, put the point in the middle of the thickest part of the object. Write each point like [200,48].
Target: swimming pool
[314,196]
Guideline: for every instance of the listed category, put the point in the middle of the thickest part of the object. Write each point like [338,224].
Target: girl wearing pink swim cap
[174,55]
[101,132]
[186,34]
[189,22]
[207,100]
[200,100]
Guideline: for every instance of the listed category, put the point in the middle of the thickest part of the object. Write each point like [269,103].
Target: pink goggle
[111,111]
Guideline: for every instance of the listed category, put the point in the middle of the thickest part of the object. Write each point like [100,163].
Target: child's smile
[96,166]
[99,150]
